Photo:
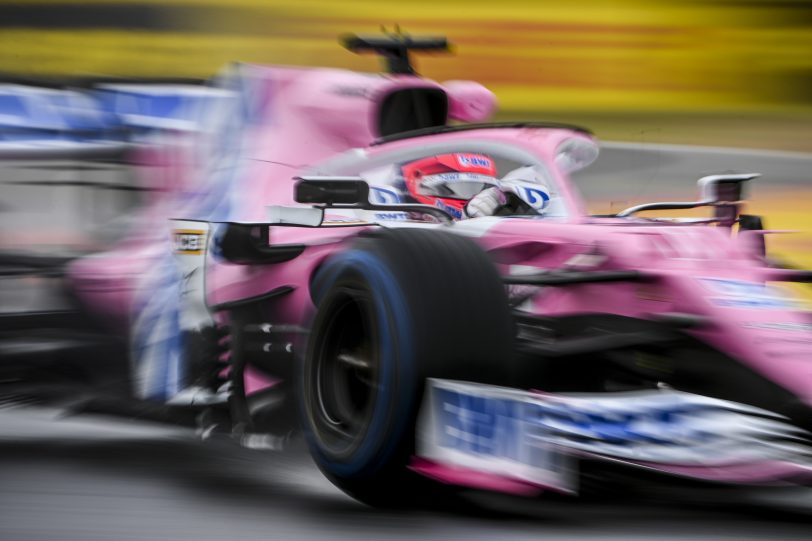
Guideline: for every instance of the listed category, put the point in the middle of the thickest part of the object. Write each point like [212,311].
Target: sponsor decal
[391,216]
[535,197]
[440,178]
[454,212]
[189,241]
[187,287]
[747,295]
[341,221]
[474,160]
[455,185]
[351,91]
[788,327]
[491,433]
[529,436]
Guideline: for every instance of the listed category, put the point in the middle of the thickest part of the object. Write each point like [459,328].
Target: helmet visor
[455,185]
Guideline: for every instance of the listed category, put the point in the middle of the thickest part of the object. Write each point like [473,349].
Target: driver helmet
[448,181]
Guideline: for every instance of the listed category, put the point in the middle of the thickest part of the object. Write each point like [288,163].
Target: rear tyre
[398,307]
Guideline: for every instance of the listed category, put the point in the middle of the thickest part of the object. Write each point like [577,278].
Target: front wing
[517,441]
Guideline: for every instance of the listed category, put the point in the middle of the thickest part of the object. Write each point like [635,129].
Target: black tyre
[400,306]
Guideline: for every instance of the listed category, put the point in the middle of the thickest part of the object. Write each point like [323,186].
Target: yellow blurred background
[587,54]
[727,72]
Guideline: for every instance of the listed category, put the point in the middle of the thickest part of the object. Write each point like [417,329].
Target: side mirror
[750,222]
[249,244]
[725,193]
[722,192]
[724,188]
[352,193]
[331,191]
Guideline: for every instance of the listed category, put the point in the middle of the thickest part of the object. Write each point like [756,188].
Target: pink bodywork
[309,117]
[107,281]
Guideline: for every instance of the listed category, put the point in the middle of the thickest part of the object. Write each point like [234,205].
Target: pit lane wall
[536,55]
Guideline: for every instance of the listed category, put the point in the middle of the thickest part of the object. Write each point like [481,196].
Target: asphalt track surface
[634,172]
[87,477]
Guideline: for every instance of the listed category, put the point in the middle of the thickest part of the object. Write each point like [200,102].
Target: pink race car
[322,272]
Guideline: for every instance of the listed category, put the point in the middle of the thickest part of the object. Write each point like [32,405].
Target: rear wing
[394,48]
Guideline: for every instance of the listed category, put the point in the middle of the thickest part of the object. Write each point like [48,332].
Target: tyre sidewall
[393,406]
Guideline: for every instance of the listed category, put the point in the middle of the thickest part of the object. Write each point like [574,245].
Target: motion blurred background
[732,73]
[742,69]
[648,73]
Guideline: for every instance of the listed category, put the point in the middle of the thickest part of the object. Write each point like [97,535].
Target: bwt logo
[473,160]
[189,242]
[454,212]
[483,426]
[659,428]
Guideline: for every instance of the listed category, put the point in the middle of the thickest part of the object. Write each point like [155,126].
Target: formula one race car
[307,282]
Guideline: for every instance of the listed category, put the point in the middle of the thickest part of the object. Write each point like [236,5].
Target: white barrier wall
[64,205]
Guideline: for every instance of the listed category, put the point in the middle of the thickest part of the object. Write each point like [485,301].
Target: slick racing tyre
[396,308]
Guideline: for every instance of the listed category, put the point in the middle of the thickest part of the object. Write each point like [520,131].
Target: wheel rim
[343,374]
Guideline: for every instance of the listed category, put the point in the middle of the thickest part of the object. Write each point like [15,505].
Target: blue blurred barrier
[37,122]
[145,108]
